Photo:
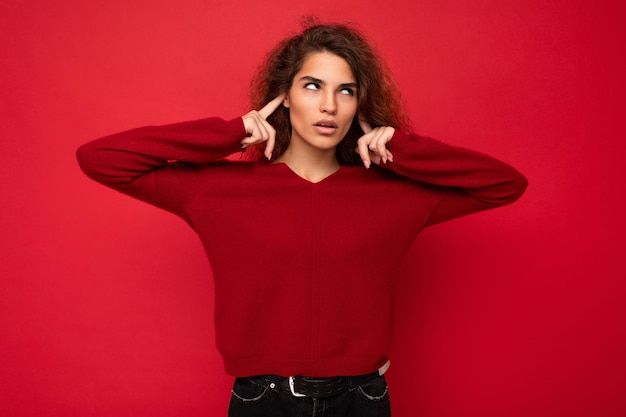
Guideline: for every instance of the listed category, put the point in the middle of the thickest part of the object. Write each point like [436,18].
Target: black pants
[270,396]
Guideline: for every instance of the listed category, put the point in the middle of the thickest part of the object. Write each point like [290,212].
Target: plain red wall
[106,303]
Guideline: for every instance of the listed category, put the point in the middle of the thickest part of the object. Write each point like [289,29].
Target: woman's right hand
[258,129]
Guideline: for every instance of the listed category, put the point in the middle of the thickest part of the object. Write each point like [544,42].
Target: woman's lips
[325,127]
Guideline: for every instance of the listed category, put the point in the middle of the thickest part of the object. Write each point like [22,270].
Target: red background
[106,303]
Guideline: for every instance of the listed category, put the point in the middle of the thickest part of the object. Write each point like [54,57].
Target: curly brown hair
[379,100]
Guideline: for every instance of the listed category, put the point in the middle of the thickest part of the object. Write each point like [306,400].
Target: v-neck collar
[294,173]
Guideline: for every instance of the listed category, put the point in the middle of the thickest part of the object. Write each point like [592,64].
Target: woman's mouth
[325,127]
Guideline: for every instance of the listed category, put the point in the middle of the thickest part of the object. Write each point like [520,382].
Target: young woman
[307,234]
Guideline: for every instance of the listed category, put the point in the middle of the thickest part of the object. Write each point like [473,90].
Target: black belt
[302,386]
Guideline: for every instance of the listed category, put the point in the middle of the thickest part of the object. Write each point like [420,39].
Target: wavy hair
[379,100]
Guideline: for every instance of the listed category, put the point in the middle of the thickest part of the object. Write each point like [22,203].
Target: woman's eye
[312,86]
[347,91]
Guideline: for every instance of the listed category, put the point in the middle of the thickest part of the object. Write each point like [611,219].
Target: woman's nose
[329,104]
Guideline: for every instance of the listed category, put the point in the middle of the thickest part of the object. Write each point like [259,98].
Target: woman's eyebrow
[349,85]
[321,82]
[312,79]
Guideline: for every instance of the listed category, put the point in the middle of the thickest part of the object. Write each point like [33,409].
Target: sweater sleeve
[470,181]
[153,163]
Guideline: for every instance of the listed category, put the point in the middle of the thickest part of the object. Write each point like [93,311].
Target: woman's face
[322,101]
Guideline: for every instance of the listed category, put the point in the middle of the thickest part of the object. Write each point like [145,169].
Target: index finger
[271,107]
[365,127]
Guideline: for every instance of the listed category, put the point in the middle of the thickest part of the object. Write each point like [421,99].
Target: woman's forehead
[327,67]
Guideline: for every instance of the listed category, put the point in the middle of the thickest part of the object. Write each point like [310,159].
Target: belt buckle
[292,388]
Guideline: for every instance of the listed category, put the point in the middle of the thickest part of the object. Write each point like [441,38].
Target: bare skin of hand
[372,146]
[258,128]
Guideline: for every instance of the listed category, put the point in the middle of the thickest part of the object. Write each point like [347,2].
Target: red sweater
[304,272]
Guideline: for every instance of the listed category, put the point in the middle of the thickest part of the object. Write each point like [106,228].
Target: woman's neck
[312,164]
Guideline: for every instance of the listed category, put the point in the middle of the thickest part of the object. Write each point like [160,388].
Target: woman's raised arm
[156,163]
[471,181]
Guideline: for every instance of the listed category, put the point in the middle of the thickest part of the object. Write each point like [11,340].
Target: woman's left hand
[372,146]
